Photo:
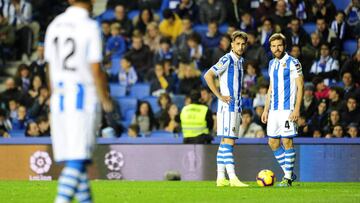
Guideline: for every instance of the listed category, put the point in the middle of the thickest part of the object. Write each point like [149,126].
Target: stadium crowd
[166,46]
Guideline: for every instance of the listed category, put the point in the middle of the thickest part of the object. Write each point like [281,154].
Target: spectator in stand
[258,109]
[164,102]
[32,130]
[197,51]
[212,10]
[44,126]
[181,40]
[295,35]
[105,33]
[349,87]
[171,119]
[251,76]
[222,49]
[322,9]
[260,97]
[310,52]
[326,34]
[353,130]
[171,25]
[38,66]
[351,113]
[326,67]
[309,104]
[126,26]
[7,38]
[319,119]
[116,45]
[134,131]
[141,56]
[337,132]
[352,12]
[165,52]
[144,118]
[22,77]
[21,120]
[255,52]
[159,84]
[233,11]
[127,73]
[335,101]
[295,51]
[247,22]
[339,25]
[298,9]
[321,90]
[40,107]
[353,65]
[281,17]
[334,119]
[152,36]
[5,124]
[248,128]
[36,83]
[266,30]
[211,38]
[12,109]
[303,127]
[265,10]
[11,92]
[145,17]
[208,99]
[189,78]
[188,8]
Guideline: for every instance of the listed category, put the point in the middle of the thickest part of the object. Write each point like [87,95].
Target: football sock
[280,157]
[220,162]
[289,162]
[228,159]
[83,193]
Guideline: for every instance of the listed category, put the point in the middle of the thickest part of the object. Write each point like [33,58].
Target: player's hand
[264,117]
[294,116]
[225,99]
[107,105]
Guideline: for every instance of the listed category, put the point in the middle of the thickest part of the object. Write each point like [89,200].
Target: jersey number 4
[68,42]
[287,124]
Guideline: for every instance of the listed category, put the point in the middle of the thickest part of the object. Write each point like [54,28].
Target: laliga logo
[114,160]
[40,162]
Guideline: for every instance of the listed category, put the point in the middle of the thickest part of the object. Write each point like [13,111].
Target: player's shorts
[279,125]
[228,123]
[73,134]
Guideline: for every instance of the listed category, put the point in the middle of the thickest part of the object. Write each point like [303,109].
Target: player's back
[72,43]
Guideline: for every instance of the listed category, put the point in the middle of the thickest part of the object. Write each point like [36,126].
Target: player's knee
[274,144]
[288,144]
[228,141]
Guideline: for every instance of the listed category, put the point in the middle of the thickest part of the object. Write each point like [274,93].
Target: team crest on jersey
[284,65]
[233,129]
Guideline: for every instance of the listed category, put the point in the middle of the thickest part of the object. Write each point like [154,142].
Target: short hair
[165,40]
[239,34]
[278,36]
[127,58]
[194,37]
[247,111]
[167,13]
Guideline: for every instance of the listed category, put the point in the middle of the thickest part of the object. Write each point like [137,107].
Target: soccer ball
[265,178]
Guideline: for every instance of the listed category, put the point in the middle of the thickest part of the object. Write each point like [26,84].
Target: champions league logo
[114,161]
[40,163]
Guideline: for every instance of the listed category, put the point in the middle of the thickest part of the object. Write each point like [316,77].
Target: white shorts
[279,125]
[73,134]
[228,123]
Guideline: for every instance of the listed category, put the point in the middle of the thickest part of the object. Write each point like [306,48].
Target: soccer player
[230,70]
[282,106]
[73,51]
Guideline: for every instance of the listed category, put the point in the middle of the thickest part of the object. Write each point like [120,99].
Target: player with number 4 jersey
[282,107]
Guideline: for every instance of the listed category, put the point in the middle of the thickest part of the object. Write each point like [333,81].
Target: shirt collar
[77,11]
[284,58]
[235,58]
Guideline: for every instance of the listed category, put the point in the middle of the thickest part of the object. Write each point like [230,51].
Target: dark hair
[166,40]
[338,90]
[153,122]
[167,13]
[194,37]
[254,64]
[227,36]
[247,111]
[127,57]
[195,96]
[166,95]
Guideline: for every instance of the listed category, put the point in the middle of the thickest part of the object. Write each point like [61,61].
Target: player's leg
[289,157]
[69,181]
[221,179]
[83,193]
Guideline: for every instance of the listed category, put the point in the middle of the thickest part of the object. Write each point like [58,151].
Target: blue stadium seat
[153,101]
[161,133]
[341,4]
[140,90]
[117,90]
[179,100]
[350,46]
[126,103]
[17,133]
[128,117]
[200,28]
[223,28]
[115,67]
[107,15]
[309,27]
[132,14]
[247,103]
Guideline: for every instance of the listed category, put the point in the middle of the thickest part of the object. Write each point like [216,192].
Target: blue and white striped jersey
[282,74]
[230,71]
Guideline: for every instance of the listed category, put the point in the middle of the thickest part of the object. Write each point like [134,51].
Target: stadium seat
[107,15]
[247,103]
[179,100]
[309,27]
[153,101]
[200,28]
[126,103]
[161,133]
[117,90]
[223,28]
[132,14]
[129,114]
[140,90]
[350,46]
[17,133]
[115,67]
[341,4]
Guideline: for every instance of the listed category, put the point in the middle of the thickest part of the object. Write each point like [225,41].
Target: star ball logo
[40,163]
[114,161]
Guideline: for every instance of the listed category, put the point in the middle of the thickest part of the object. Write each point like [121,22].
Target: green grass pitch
[185,191]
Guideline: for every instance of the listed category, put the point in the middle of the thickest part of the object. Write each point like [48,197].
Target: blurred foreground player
[73,51]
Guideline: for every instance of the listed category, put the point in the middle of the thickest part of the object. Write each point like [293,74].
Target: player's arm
[209,78]
[101,86]
[264,115]
[299,81]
